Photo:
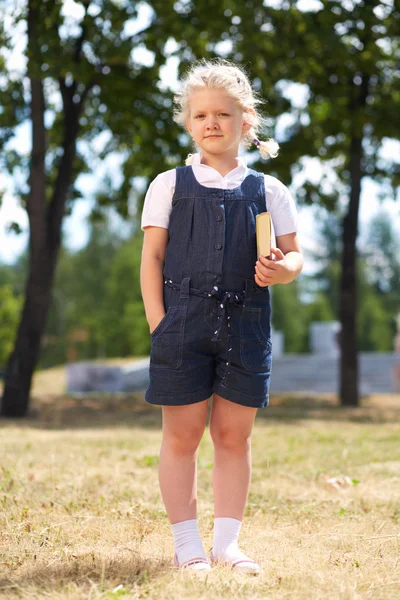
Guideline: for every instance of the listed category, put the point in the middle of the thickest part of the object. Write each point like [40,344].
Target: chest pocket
[167,339]
[255,340]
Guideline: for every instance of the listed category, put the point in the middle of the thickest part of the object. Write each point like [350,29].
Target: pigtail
[267,149]
[189,160]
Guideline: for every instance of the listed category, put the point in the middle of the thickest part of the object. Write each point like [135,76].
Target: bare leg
[230,427]
[183,428]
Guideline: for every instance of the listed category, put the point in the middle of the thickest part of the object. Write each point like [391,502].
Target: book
[263,234]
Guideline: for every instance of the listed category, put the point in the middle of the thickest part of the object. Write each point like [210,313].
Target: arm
[151,274]
[287,263]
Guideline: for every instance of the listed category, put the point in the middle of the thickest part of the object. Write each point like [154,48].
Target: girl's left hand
[269,272]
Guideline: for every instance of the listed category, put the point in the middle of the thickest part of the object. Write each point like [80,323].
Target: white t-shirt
[158,202]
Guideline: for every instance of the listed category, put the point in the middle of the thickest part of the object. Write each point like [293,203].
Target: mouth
[207,137]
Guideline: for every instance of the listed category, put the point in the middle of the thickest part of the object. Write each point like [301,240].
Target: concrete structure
[320,373]
[278,342]
[324,337]
[290,373]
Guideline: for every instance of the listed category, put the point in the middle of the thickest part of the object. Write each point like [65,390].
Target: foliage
[320,309]
[10,308]
[289,316]
[78,297]
[97,288]
[377,276]
[340,56]
[125,330]
[381,253]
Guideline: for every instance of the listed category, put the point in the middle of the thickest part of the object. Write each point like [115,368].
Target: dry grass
[81,515]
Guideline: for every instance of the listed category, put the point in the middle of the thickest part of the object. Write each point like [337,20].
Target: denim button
[219,217]
[218,246]
[218,280]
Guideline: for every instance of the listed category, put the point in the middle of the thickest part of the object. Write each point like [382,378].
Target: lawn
[81,515]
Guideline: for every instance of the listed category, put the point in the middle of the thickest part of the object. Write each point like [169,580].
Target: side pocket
[255,341]
[167,339]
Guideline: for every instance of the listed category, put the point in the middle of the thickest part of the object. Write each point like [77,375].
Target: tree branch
[81,39]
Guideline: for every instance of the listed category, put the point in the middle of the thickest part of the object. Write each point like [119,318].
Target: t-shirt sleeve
[158,201]
[281,205]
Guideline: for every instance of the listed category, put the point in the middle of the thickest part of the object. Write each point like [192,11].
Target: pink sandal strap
[243,560]
[192,561]
[233,564]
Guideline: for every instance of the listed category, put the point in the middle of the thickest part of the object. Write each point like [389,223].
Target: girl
[207,303]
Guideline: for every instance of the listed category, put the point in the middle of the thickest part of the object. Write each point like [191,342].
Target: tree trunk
[349,395]
[45,241]
[25,355]
[45,221]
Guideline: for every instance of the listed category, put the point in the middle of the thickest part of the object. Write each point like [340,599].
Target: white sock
[226,535]
[187,541]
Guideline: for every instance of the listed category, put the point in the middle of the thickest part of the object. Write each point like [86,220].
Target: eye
[200,116]
[224,114]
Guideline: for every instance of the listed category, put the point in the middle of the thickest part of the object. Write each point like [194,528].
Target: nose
[212,123]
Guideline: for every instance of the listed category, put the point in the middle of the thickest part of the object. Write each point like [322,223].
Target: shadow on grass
[86,570]
[131,410]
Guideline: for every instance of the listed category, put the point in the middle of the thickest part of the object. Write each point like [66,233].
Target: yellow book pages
[263,234]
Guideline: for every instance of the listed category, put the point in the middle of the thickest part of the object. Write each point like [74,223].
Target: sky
[75,229]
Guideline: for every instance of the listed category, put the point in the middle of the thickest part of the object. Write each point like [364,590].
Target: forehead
[211,99]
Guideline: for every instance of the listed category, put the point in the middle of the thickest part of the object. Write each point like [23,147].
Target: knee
[231,440]
[184,441]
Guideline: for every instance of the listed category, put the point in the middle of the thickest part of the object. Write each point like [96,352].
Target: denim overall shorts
[216,333]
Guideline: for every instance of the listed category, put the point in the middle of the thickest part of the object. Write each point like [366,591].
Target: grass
[81,515]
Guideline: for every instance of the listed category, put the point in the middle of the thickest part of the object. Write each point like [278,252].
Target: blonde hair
[221,74]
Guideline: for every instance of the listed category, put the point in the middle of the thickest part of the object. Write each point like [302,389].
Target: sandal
[241,565]
[197,563]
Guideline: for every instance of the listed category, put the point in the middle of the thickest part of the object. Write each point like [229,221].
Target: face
[215,122]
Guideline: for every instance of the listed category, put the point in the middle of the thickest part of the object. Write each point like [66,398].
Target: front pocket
[167,339]
[255,340]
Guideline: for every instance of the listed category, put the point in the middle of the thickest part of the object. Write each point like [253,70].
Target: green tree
[324,281]
[124,327]
[97,290]
[289,316]
[86,81]
[377,268]
[374,320]
[78,294]
[320,309]
[381,263]
[10,308]
[14,275]
[381,253]
[346,56]
[83,80]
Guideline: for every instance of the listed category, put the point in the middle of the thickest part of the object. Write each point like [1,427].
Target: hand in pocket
[154,324]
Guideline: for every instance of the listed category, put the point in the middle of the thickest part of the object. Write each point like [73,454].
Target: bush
[10,307]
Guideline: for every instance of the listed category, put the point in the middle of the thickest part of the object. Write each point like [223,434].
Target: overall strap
[185,289]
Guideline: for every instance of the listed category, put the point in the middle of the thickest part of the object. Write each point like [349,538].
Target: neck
[223,163]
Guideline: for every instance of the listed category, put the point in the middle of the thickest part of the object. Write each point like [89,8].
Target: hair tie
[267,149]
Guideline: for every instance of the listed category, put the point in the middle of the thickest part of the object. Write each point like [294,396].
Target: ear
[187,123]
[248,117]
